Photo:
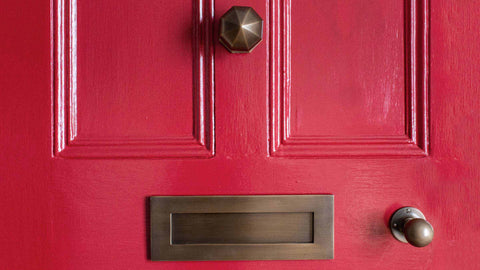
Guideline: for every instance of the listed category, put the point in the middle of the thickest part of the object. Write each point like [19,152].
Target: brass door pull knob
[241,29]
[409,225]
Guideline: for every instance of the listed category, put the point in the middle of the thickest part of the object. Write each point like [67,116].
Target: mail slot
[284,227]
[242,228]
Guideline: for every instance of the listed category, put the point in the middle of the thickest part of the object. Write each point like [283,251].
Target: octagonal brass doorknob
[409,225]
[241,29]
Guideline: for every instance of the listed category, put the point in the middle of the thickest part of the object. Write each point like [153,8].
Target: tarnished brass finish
[285,227]
[242,228]
[418,232]
[408,225]
[241,29]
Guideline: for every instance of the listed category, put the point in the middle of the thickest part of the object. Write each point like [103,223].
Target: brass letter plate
[284,227]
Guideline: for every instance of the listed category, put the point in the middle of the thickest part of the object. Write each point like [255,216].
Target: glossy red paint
[104,103]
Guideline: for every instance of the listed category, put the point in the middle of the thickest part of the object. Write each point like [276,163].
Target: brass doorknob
[241,29]
[408,225]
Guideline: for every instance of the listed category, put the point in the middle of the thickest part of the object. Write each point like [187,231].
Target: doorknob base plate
[399,218]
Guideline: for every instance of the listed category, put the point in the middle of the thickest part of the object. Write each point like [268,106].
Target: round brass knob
[418,232]
[408,225]
[241,29]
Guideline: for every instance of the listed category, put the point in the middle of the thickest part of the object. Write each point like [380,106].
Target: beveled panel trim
[304,230]
[415,141]
[66,142]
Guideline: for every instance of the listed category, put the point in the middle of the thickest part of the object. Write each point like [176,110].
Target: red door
[105,103]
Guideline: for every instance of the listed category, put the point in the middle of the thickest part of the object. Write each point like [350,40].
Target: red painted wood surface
[104,103]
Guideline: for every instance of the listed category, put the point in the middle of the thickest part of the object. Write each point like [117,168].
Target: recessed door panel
[136,82]
[351,82]
[349,79]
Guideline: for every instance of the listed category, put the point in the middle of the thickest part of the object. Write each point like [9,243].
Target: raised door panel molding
[324,102]
[132,80]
